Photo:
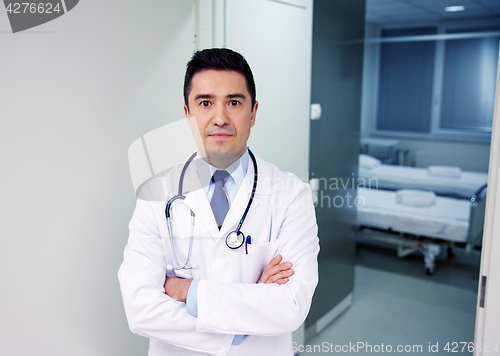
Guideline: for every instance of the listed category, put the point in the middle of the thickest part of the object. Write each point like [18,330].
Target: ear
[186,113]
[254,113]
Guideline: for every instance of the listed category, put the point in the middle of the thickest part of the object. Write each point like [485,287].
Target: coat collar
[197,201]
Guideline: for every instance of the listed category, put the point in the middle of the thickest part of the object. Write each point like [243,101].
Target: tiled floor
[397,307]
[461,271]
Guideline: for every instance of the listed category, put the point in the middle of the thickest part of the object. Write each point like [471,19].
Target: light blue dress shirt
[237,170]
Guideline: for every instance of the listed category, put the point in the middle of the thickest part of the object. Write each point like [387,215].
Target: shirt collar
[237,169]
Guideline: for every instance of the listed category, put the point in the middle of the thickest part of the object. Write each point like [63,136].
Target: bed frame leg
[430,252]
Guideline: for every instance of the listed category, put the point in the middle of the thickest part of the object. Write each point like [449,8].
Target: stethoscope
[234,240]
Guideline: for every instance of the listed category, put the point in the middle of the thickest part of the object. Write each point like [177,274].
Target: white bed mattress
[448,219]
[402,177]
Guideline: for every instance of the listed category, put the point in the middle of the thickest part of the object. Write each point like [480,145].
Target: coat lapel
[196,200]
[240,202]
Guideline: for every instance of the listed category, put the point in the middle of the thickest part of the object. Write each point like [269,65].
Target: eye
[234,103]
[205,103]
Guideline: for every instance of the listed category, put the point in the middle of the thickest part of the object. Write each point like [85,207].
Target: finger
[267,272]
[267,275]
[278,275]
[274,262]
[283,274]
[282,281]
[278,268]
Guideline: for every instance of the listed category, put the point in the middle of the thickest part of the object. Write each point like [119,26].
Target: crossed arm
[153,303]
[275,272]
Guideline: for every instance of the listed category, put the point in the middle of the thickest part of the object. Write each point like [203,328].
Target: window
[470,68]
[405,87]
[437,86]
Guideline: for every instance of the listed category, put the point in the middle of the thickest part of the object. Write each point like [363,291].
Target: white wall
[487,316]
[74,94]
[279,51]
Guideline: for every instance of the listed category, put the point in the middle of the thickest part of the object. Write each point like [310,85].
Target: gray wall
[74,94]
[336,85]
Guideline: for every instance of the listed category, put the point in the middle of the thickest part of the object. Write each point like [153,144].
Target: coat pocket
[257,258]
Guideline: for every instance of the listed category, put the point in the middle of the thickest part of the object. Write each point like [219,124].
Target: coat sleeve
[150,312]
[269,309]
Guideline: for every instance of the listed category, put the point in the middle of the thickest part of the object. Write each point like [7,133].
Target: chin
[220,153]
[216,149]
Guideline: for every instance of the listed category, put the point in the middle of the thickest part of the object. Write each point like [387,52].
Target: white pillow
[368,162]
[445,171]
[414,197]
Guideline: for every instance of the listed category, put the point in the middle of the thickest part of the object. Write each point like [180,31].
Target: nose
[220,117]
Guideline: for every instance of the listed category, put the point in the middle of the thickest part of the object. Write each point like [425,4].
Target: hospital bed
[429,226]
[443,180]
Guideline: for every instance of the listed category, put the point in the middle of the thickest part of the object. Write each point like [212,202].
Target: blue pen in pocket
[247,242]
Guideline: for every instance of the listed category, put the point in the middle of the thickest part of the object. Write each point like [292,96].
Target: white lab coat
[281,220]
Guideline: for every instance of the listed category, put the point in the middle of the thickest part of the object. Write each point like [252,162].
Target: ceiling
[387,12]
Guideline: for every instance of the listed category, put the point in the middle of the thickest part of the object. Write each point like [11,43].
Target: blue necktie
[219,203]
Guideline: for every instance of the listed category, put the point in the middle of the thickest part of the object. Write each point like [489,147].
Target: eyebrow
[210,96]
[203,96]
[236,95]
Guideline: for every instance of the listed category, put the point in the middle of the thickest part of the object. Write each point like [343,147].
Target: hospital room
[385,111]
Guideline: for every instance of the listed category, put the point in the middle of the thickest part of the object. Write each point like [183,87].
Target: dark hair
[218,59]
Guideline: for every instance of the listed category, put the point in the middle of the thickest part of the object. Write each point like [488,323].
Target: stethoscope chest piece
[235,240]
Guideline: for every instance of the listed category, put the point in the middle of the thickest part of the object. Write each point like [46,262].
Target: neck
[221,161]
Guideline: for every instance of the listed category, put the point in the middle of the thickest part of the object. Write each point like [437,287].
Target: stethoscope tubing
[179,196]
[179,192]
[254,188]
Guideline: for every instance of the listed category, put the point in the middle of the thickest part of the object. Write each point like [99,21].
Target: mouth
[220,135]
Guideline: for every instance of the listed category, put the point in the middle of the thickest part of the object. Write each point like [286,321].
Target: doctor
[185,284]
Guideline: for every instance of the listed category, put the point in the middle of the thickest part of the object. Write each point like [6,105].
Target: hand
[177,288]
[276,272]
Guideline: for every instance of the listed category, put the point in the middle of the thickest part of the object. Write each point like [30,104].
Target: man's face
[221,109]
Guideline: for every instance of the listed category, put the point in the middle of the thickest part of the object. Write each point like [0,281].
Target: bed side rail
[477,213]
